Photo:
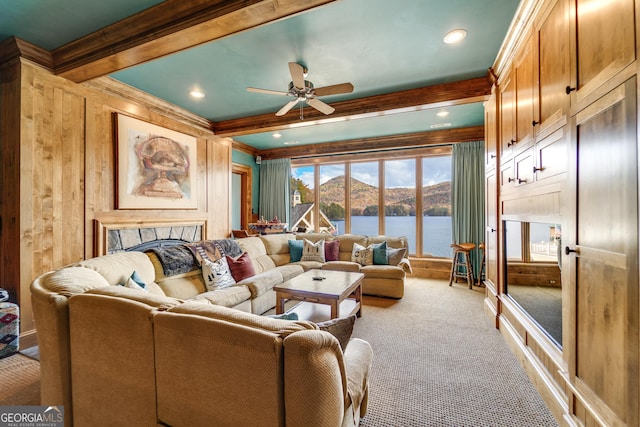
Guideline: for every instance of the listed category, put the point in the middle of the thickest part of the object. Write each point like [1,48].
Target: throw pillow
[241,268]
[216,274]
[362,255]
[396,255]
[284,316]
[380,256]
[332,250]
[135,282]
[341,328]
[295,250]
[313,251]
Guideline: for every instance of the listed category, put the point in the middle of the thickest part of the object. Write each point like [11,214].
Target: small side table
[9,329]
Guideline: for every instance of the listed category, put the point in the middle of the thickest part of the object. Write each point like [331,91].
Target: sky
[398,173]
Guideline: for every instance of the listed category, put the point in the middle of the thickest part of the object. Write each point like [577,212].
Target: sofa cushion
[73,280]
[262,282]
[349,266]
[226,297]
[241,268]
[331,250]
[295,250]
[276,244]
[118,267]
[216,274]
[160,302]
[362,255]
[309,265]
[258,254]
[313,251]
[290,271]
[277,326]
[383,272]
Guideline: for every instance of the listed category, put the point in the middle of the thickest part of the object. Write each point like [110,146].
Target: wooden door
[604,369]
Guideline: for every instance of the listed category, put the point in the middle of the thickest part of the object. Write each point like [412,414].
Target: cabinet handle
[568,250]
[493,156]
[535,169]
[521,181]
[510,143]
[569,89]
[511,179]
[533,123]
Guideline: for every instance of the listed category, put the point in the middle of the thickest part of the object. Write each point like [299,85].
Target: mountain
[436,198]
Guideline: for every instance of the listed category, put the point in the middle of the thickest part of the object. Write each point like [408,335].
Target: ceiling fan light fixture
[277,135]
[455,36]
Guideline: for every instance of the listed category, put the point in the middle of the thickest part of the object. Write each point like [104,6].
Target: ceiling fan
[303,91]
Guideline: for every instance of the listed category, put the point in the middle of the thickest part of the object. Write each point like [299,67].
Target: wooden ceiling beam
[382,143]
[169,27]
[445,94]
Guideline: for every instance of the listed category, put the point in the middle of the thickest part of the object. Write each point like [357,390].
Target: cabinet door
[507,177]
[553,67]
[525,84]
[551,156]
[605,275]
[490,133]
[491,239]
[507,117]
[523,164]
[605,41]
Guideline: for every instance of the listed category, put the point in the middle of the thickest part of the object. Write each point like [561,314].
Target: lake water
[436,231]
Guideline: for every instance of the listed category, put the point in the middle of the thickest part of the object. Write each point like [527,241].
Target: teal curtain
[275,180]
[467,196]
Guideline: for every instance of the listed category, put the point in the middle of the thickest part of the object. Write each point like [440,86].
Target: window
[378,193]
[364,198]
[400,199]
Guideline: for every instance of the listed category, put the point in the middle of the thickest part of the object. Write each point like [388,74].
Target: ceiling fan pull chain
[301,112]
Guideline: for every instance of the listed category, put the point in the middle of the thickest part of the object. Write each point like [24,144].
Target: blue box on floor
[9,329]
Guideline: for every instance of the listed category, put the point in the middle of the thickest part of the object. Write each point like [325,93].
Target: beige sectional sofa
[113,355]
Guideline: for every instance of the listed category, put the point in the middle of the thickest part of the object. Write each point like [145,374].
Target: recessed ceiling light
[290,142]
[277,135]
[455,36]
[440,125]
[442,113]
[196,93]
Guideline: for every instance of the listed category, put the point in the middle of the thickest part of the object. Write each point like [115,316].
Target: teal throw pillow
[136,278]
[295,249]
[380,256]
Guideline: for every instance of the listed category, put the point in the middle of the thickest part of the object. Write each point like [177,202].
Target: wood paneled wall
[59,166]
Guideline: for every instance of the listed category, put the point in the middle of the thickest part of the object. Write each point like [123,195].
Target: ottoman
[9,329]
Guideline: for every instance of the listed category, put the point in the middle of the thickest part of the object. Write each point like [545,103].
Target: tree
[370,211]
[306,194]
[333,211]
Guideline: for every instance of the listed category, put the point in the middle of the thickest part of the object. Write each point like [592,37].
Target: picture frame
[156,167]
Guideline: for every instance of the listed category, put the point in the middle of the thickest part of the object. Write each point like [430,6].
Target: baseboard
[28,339]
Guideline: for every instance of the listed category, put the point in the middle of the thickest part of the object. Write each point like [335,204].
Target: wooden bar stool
[481,273]
[462,261]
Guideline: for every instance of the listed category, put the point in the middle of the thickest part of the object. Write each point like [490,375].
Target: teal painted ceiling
[380,46]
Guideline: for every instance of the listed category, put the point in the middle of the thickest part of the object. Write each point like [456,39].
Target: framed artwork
[156,167]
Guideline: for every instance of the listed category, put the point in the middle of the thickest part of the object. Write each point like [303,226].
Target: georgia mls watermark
[31,416]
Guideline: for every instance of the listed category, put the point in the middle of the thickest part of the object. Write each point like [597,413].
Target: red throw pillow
[332,250]
[241,268]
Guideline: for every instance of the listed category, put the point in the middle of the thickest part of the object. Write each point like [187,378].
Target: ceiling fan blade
[297,74]
[266,91]
[334,89]
[321,106]
[284,110]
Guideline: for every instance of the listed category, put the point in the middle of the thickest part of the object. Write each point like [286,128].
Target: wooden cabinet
[526,86]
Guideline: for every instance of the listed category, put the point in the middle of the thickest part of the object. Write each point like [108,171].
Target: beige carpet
[19,381]
[439,361]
